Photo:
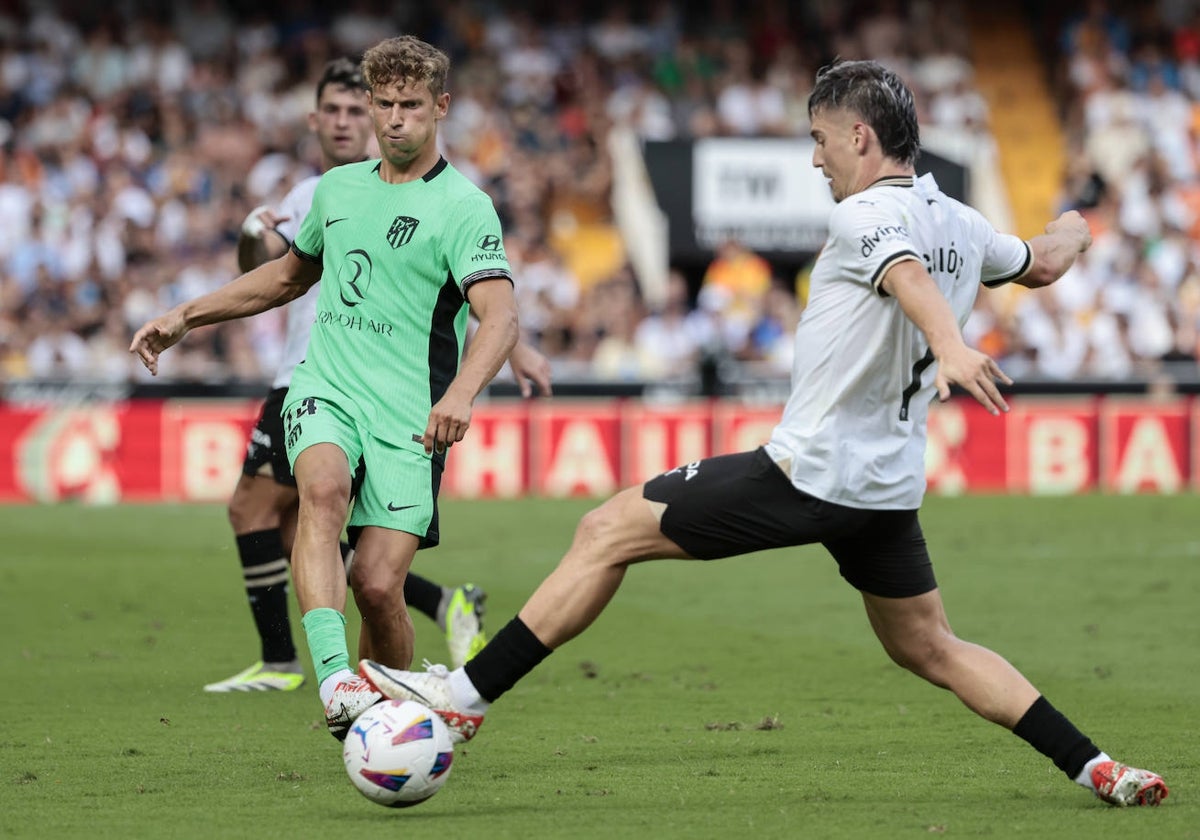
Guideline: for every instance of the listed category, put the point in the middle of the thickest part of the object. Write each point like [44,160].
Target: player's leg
[917,636]
[714,508]
[622,530]
[395,513]
[322,442]
[263,499]
[888,567]
[381,561]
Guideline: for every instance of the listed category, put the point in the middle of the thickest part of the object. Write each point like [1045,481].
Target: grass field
[745,698]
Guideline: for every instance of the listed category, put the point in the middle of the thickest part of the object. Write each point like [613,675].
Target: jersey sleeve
[475,243]
[1005,257]
[309,243]
[871,237]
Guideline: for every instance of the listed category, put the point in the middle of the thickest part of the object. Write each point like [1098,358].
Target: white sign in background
[764,192]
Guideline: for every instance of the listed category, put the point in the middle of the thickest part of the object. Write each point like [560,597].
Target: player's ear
[312,121]
[862,136]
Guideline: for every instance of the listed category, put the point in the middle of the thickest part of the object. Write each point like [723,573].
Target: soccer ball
[398,753]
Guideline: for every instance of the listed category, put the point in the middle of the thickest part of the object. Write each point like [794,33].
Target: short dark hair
[341,71]
[877,95]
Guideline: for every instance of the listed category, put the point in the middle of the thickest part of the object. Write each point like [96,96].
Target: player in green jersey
[406,246]
[262,509]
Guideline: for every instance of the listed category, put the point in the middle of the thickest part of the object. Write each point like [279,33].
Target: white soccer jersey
[301,312]
[853,429]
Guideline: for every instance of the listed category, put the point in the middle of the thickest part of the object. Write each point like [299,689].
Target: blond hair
[406,60]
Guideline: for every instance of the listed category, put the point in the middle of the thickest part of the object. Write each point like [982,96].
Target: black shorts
[266,453]
[735,504]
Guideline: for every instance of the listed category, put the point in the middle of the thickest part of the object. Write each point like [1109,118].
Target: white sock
[1085,777]
[465,695]
[331,682]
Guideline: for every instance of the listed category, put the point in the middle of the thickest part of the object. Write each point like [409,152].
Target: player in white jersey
[263,507]
[881,335]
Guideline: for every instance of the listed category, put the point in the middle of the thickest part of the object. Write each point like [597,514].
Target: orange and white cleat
[351,697]
[1121,785]
[430,689]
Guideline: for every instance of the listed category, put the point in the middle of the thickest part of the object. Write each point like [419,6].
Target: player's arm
[922,301]
[260,240]
[494,305]
[1055,250]
[271,284]
[530,368]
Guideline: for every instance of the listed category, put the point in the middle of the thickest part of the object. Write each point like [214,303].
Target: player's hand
[449,420]
[260,220]
[529,368]
[1072,224]
[156,336]
[975,372]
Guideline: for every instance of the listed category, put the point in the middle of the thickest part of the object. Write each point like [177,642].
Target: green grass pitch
[742,698]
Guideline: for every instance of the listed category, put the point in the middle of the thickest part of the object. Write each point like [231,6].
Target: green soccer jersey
[397,260]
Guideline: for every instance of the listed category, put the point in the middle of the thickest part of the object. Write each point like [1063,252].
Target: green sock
[326,631]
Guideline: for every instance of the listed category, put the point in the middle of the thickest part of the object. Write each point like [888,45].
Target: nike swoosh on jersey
[329,222]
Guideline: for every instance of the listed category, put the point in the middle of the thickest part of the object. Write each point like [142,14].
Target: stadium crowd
[134,139]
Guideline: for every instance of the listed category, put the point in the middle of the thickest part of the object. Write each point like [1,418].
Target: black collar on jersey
[893,181]
[437,169]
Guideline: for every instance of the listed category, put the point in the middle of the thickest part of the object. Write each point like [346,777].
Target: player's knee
[243,518]
[233,512]
[603,533]
[596,527]
[378,595]
[326,494]
[925,656]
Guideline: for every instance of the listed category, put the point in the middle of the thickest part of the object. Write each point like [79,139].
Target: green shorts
[394,488]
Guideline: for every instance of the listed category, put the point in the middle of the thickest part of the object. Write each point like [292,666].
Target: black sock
[265,573]
[422,594]
[1051,734]
[510,655]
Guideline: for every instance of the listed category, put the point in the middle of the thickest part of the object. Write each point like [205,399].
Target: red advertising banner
[1051,446]
[576,448]
[1195,444]
[740,428]
[658,438]
[203,445]
[1144,446]
[966,449]
[192,450]
[492,461]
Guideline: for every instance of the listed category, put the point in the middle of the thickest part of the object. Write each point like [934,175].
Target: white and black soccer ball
[398,753]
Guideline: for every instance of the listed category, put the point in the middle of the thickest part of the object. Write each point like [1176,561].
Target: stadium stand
[134,138]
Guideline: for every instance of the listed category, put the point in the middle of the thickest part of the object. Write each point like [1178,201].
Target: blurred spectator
[672,338]
[547,296]
[134,139]
[747,105]
[770,340]
[733,289]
